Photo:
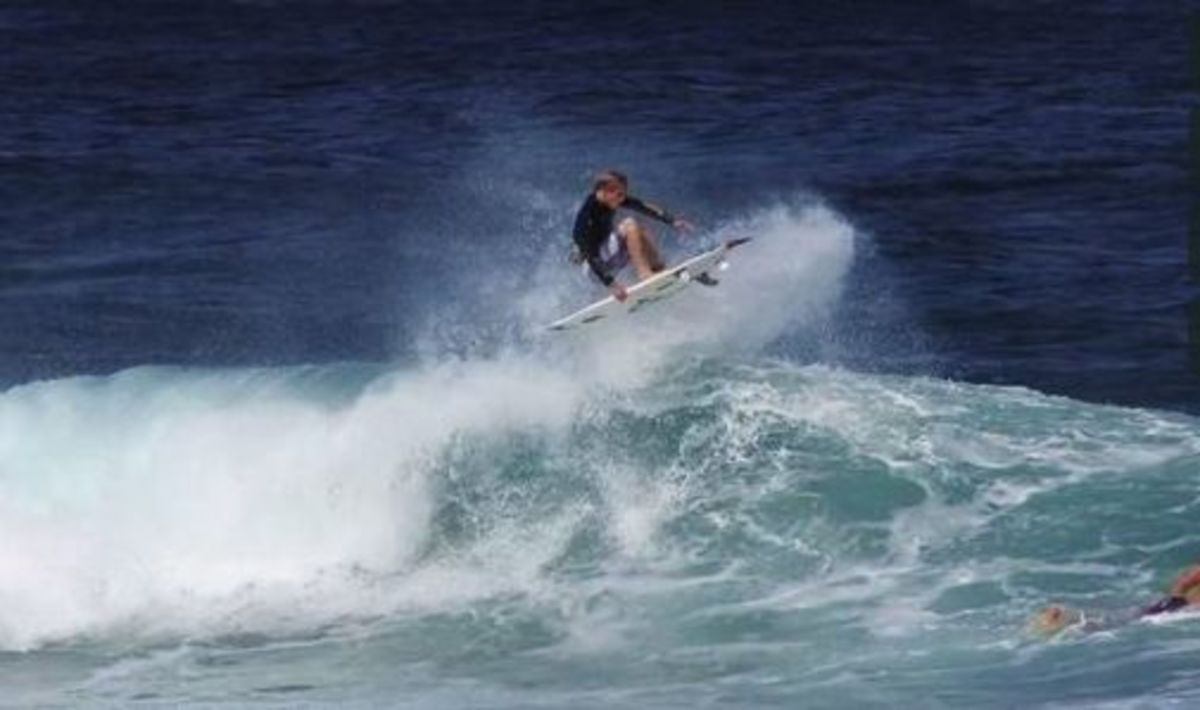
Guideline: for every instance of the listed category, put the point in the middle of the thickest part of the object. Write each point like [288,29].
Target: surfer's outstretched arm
[652,210]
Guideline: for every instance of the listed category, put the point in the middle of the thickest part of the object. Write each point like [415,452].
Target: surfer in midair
[604,249]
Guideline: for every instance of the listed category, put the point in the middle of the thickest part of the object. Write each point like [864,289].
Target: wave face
[173,501]
[703,526]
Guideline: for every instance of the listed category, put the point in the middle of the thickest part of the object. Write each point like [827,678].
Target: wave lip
[159,498]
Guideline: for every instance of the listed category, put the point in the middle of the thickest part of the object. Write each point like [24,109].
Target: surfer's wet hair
[610,178]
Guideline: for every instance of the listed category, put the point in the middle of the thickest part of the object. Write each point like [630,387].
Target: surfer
[606,250]
[1184,592]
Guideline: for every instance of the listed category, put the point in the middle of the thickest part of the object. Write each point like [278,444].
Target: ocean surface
[280,425]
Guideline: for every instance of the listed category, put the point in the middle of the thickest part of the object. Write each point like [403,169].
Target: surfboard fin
[705,279]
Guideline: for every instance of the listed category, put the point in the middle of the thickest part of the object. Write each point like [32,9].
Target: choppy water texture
[279,425]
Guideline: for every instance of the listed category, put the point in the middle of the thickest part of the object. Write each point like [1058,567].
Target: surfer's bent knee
[630,228]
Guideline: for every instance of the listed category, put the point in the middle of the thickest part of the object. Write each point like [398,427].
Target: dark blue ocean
[280,423]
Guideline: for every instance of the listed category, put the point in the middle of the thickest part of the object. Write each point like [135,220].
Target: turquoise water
[721,531]
[667,513]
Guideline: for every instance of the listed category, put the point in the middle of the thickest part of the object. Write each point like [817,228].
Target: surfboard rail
[658,287]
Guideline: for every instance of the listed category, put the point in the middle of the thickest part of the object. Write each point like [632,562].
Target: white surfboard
[658,287]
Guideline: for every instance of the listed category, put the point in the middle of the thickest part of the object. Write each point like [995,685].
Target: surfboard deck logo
[658,287]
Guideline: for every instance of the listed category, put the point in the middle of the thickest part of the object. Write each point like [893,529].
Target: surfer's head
[1052,619]
[610,187]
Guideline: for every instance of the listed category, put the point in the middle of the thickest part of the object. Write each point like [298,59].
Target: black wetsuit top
[595,222]
[1104,621]
[1165,605]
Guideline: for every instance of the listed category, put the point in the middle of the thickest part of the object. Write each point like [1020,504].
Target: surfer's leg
[642,250]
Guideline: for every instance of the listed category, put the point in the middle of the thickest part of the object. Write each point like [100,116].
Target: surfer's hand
[618,291]
[683,225]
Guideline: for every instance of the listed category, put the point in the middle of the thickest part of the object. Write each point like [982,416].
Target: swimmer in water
[1184,593]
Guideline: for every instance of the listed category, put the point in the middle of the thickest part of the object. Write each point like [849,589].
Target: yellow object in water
[1053,619]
